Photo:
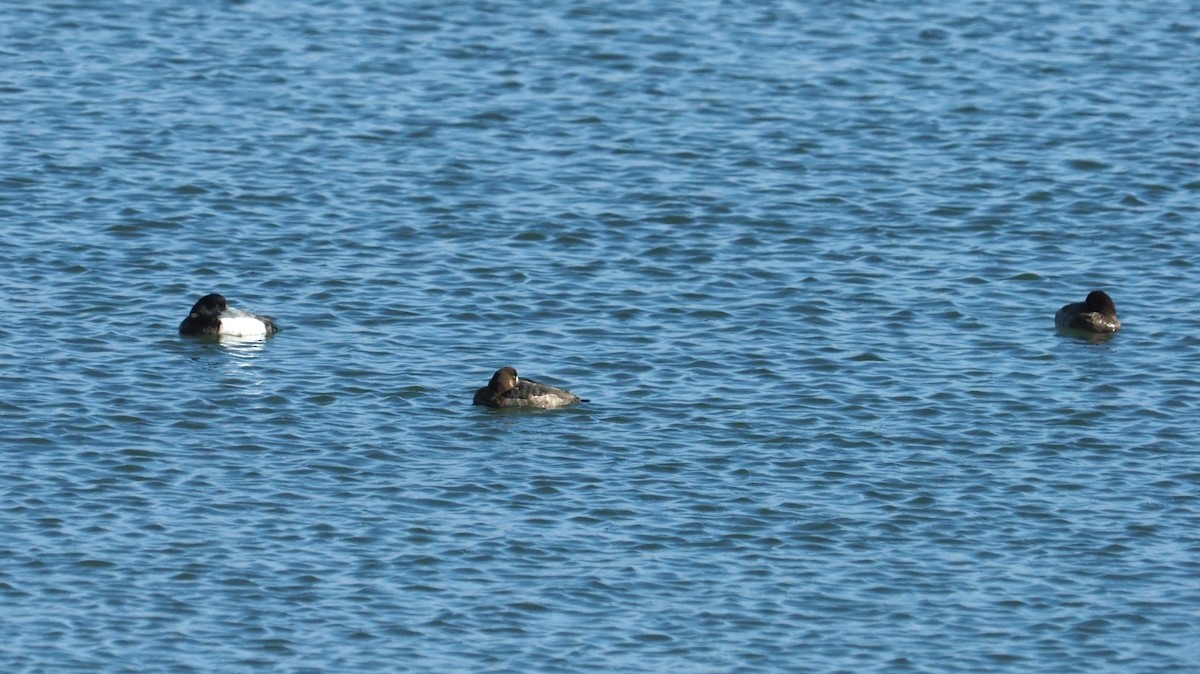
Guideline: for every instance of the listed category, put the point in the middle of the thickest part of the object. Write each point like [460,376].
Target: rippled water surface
[802,257]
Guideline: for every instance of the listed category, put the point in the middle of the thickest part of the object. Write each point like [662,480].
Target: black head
[209,305]
[1099,302]
[205,317]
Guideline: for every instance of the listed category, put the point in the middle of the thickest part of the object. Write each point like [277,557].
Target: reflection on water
[1087,335]
[242,346]
[227,362]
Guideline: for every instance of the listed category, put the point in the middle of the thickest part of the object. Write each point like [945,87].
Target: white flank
[549,401]
[238,324]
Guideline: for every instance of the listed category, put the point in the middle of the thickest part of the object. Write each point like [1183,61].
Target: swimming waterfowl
[506,389]
[211,315]
[1097,313]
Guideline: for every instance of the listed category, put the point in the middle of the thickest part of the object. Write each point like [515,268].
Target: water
[803,258]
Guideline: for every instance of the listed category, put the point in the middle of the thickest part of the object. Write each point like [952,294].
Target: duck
[211,315]
[506,389]
[1097,313]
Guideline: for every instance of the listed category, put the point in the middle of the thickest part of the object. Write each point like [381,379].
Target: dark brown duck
[1097,313]
[506,389]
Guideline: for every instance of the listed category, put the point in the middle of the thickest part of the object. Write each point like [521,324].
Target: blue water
[803,259]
